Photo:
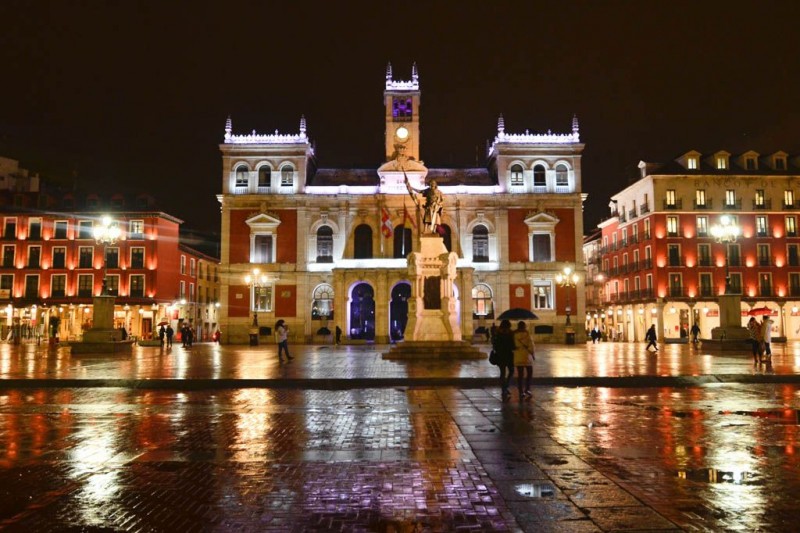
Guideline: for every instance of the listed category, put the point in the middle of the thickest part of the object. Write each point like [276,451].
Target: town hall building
[326,248]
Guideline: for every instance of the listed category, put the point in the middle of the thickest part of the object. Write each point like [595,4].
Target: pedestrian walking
[651,336]
[282,332]
[503,346]
[766,335]
[338,335]
[161,333]
[695,333]
[169,334]
[189,336]
[754,329]
[523,359]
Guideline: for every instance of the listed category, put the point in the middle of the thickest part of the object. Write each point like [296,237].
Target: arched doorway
[362,312]
[398,310]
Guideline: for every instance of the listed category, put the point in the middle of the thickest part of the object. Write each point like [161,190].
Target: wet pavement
[722,456]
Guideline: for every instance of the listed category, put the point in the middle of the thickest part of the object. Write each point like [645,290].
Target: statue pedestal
[432,312]
[730,335]
[433,330]
[102,337]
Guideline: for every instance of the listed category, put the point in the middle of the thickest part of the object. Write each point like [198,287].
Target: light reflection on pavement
[210,361]
[721,457]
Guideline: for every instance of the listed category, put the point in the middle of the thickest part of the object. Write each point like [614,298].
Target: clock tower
[401,99]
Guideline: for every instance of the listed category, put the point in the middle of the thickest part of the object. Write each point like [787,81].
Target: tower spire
[302,125]
[575,126]
[389,71]
[414,72]
[501,125]
[228,128]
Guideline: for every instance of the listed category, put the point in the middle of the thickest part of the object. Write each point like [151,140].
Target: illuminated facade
[331,244]
[52,267]
[662,264]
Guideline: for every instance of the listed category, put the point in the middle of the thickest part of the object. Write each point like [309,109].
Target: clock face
[402,133]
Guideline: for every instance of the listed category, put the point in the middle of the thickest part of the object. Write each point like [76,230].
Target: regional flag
[386,223]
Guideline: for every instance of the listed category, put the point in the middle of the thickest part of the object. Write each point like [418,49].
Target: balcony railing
[632,214]
[789,206]
[707,204]
[677,204]
[644,209]
[763,204]
[737,204]
[676,291]
[704,262]
[647,263]
[706,292]
[766,290]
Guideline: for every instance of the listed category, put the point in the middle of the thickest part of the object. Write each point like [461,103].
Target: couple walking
[514,348]
[761,339]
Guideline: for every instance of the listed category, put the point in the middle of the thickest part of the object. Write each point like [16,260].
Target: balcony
[736,205]
[704,262]
[647,263]
[707,204]
[676,291]
[789,206]
[677,204]
[762,204]
[632,214]
[622,217]
[764,261]
[644,209]
[706,291]
[766,290]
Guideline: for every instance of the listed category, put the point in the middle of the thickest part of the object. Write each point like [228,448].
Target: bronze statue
[433,204]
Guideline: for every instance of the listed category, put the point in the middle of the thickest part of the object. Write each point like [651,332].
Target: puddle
[712,475]
[535,490]
[785,416]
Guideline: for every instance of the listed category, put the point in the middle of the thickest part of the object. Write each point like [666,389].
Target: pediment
[541,218]
[263,221]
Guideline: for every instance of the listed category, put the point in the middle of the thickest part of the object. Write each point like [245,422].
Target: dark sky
[137,92]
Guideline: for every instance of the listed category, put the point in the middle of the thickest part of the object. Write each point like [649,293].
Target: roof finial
[228,127]
[302,125]
[575,128]
[501,125]
[389,71]
[414,72]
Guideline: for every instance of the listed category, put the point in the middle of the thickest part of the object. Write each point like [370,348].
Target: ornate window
[542,294]
[541,237]
[482,301]
[241,176]
[362,242]
[539,176]
[287,176]
[264,176]
[562,176]
[480,244]
[516,175]
[325,244]
[322,305]
[263,237]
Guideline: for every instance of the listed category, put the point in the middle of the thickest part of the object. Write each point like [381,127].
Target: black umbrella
[517,313]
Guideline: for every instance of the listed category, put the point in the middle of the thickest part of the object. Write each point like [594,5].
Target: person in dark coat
[503,345]
[169,333]
[651,338]
[161,333]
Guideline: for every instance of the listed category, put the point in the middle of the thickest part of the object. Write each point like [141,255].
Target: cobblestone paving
[212,361]
[716,458]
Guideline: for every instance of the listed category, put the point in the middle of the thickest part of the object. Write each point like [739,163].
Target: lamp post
[567,279]
[107,233]
[255,280]
[726,232]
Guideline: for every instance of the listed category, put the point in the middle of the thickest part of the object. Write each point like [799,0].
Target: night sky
[134,95]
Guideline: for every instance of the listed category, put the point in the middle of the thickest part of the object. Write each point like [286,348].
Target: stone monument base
[433,350]
[102,340]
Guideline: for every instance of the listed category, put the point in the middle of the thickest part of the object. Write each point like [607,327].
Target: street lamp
[567,279]
[256,281]
[725,233]
[107,233]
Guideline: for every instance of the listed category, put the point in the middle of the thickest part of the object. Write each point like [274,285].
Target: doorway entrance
[362,312]
[398,311]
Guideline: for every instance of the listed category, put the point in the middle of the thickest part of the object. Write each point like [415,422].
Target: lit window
[322,306]
[730,198]
[482,301]
[722,162]
[791,226]
[761,226]
[759,200]
[480,244]
[670,198]
[241,176]
[542,296]
[702,226]
[788,198]
[136,229]
[516,175]
[262,298]
[700,197]
[561,176]
[287,177]
[325,244]
[672,226]
[692,163]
